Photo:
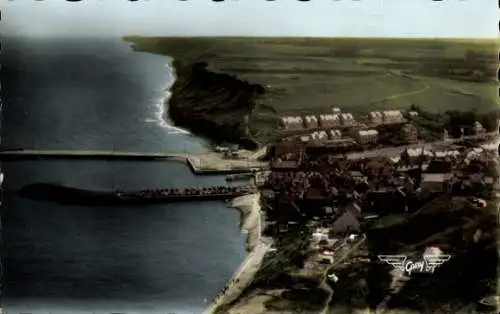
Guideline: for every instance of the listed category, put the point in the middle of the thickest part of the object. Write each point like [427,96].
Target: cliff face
[212,104]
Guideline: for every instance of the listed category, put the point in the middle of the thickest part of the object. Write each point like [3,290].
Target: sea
[98,94]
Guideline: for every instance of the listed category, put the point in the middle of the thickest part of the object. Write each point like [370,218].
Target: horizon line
[313,37]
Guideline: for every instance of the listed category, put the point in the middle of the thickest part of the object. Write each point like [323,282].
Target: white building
[392,116]
[336,110]
[319,136]
[311,121]
[335,134]
[347,119]
[329,120]
[367,136]
[293,123]
[376,117]
[478,128]
[305,138]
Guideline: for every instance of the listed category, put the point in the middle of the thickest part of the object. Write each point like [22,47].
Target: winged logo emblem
[432,261]
[397,261]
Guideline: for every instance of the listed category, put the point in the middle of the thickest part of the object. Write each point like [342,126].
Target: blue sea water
[99,94]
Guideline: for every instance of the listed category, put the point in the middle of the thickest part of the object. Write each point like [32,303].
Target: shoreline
[250,222]
[257,246]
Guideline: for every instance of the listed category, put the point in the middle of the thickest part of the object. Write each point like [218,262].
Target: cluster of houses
[339,187]
[361,135]
[386,117]
[358,131]
[321,136]
[334,119]
[452,170]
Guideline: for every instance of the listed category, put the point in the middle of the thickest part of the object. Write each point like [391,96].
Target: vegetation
[298,301]
[290,256]
[266,78]
[450,224]
[454,120]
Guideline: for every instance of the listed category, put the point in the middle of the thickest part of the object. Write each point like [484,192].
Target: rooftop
[435,177]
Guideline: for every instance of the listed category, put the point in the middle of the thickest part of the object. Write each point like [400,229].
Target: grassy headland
[223,81]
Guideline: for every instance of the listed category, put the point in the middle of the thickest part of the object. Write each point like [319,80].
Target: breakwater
[75,196]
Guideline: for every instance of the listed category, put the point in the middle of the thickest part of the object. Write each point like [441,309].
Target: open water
[99,94]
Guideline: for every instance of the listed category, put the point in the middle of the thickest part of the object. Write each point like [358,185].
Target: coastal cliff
[212,104]
[237,89]
[209,102]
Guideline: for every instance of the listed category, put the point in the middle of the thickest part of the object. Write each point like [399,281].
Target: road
[396,151]
[343,253]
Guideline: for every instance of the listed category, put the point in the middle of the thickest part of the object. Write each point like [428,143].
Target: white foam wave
[159,110]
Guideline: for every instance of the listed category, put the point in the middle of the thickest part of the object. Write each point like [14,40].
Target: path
[415,92]
[345,252]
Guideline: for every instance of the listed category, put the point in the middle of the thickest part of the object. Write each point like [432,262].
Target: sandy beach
[251,223]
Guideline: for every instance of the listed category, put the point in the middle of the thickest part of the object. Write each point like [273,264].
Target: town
[325,204]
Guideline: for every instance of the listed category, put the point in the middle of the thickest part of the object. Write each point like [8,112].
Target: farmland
[311,75]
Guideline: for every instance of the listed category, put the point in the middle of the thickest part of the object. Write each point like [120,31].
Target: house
[335,134]
[356,175]
[284,164]
[292,123]
[488,181]
[305,138]
[336,110]
[413,114]
[478,129]
[347,119]
[410,133]
[311,121]
[319,136]
[375,117]
[367,136]
[346,222]
[435,182]
[392,116]
[320,234]
[329,120]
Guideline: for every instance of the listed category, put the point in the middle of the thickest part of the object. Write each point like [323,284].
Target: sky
[316,18]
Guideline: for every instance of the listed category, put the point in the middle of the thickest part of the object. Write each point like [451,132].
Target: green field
[310,75]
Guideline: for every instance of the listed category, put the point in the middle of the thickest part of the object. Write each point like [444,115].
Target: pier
[200,164]
[27,154]
[76,196]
